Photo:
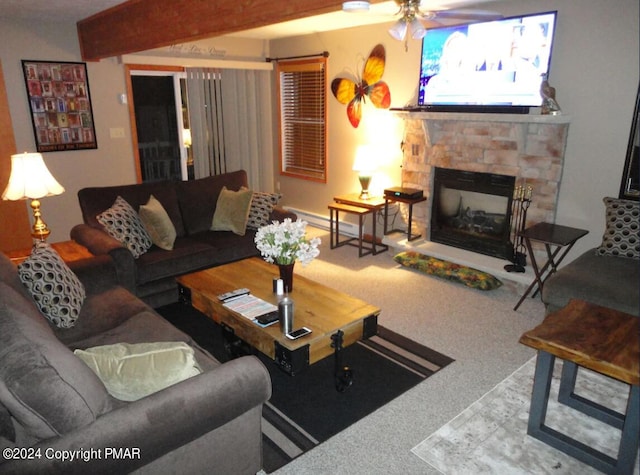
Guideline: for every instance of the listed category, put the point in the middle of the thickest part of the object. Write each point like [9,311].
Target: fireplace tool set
[521,202]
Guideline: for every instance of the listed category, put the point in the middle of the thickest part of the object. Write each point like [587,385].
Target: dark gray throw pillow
[57,291]
[123,223]
[621,236]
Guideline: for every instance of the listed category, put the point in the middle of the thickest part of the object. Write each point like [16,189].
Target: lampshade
[417,30]
[366,160]
[399,29]
[186,137]
[30,178]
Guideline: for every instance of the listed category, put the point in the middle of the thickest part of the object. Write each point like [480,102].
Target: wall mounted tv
[493,66]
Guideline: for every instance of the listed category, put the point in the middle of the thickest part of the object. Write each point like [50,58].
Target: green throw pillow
[158,224]
[232,211]
[448,270]
[133,371]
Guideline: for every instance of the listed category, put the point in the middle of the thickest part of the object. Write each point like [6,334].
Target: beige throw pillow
[232,211]
[133,371]
[158,224]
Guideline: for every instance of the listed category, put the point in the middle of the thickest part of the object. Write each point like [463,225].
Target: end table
[561,237]
[408,201]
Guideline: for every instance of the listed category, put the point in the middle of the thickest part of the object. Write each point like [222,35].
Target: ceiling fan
[415,21]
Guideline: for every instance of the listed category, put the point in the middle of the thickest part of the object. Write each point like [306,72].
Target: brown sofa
[191,206]
[52,404]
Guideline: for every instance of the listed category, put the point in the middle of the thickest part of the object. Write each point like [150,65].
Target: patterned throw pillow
[262,205]
[57,291]
[621,237]
[448,270]
[123,223]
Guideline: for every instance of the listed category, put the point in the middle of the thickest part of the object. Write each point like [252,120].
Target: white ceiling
[75,10]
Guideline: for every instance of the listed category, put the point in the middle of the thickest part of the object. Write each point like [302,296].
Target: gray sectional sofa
[191,206]
[52,404]
[608,275]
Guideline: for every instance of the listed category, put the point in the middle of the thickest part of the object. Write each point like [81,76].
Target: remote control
[234,293]
[268,318]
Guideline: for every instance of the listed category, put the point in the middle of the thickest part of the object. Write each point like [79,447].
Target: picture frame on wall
[60,105]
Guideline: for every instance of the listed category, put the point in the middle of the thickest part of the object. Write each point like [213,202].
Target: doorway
[160,113]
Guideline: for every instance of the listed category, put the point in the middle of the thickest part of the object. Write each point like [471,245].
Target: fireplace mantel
[481,117]
[430,120]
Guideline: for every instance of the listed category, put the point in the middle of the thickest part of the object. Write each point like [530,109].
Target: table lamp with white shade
[365,164]
[31,179]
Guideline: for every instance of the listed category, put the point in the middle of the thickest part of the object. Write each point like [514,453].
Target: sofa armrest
[279,214]
[97,274]
[99,243]
[161,422]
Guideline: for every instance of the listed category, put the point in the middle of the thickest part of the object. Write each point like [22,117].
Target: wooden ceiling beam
[139,25]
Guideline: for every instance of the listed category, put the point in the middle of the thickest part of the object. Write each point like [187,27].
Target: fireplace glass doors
[472,211]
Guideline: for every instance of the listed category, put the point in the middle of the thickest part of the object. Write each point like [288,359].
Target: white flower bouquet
[286,242]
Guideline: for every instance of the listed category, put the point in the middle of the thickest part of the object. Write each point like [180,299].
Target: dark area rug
[306,409]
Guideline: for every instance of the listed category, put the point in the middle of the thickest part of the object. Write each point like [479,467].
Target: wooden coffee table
[335,318]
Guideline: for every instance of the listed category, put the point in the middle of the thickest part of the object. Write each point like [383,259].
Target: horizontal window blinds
[302,88]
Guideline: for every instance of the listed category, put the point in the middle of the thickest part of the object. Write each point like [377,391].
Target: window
[303,105]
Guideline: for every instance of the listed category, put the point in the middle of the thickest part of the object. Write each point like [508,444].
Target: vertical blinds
[302,87]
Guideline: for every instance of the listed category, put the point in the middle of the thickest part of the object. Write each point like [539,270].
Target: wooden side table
[561,237]
[69,251]
[408,201]
[373,205]
[602,340]
[334,228]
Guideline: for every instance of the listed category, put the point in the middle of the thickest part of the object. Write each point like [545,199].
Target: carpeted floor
[479,329]
[490,436]
[306,410]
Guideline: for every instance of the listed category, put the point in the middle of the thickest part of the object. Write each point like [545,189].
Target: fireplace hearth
[472,211]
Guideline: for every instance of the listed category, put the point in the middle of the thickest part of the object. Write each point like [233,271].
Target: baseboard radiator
[322,222]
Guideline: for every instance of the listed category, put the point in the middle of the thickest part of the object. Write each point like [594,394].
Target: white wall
[112,162]
[594,70]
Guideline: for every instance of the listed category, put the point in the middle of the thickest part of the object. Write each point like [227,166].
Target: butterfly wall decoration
[370,85]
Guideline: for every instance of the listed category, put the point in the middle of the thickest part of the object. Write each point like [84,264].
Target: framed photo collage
[60,105]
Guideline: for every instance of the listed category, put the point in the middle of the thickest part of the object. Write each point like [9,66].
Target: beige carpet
[490,436]
[478,329]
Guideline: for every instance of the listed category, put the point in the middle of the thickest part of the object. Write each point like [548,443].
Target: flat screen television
[492,66]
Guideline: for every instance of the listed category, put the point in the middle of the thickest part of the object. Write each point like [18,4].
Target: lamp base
[39,230]
[364,184]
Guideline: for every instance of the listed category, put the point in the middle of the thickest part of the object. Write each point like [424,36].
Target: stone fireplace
[529,148]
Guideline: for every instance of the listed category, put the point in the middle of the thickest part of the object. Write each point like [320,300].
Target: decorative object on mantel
[31,179]
[549,104]
[468,276]
[284,243]
[354,91]
[521,202]
[60,105]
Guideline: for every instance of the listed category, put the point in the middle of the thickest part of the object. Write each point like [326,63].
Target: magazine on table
[251,307]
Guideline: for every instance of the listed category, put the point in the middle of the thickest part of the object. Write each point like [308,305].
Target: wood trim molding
[15,232]
[140,25]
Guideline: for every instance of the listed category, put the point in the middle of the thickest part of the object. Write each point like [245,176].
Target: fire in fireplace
[472,211]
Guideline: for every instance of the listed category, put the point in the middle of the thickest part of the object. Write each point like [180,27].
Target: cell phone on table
[300,332]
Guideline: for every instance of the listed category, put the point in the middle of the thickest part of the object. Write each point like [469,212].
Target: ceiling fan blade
[462,14]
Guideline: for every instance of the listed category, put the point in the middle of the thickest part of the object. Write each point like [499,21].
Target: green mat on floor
[448,270]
